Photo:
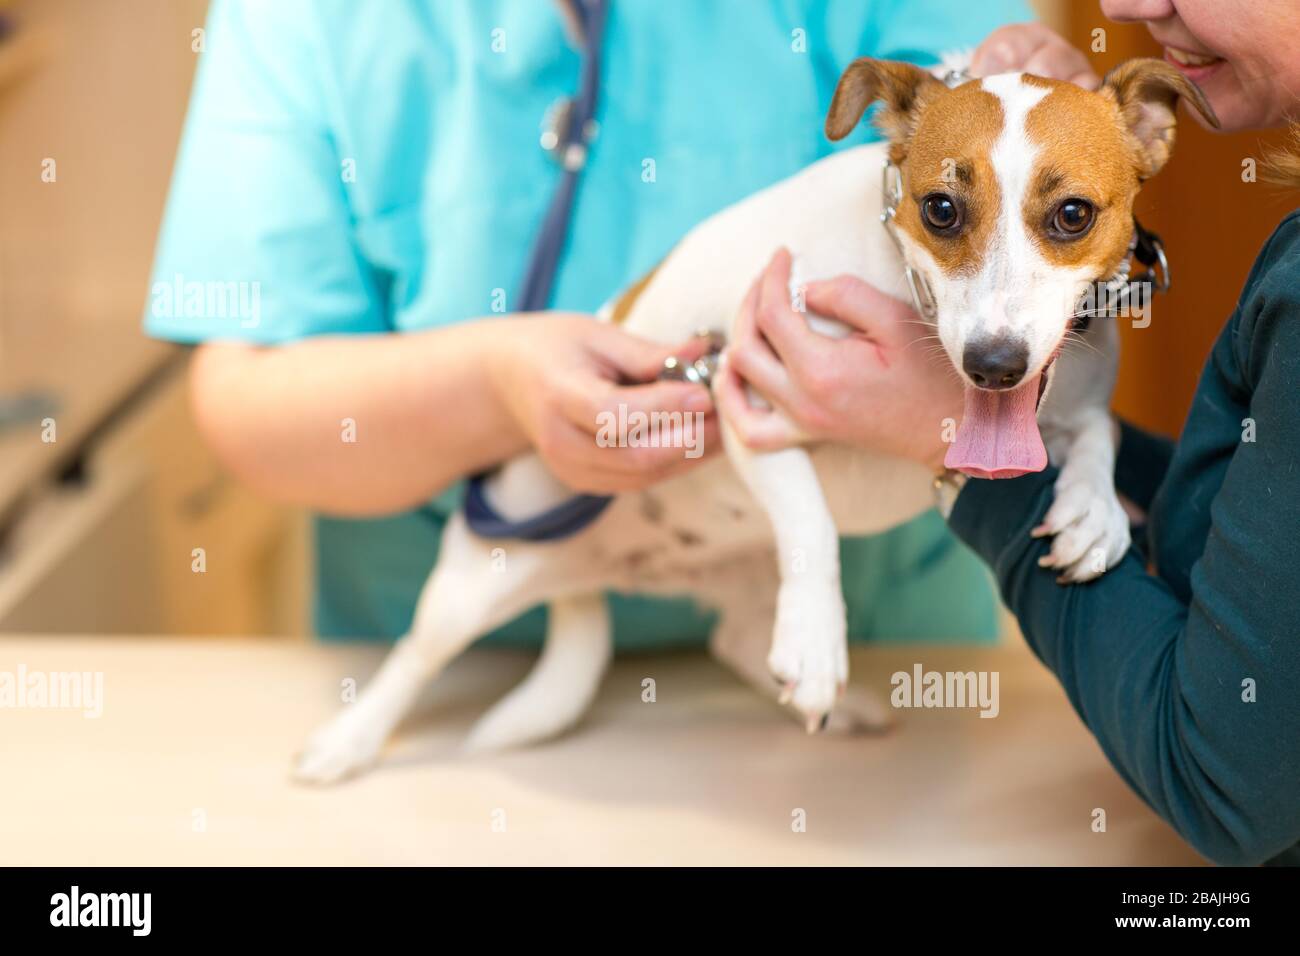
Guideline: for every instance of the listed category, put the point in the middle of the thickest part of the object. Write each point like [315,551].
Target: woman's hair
[1282,166]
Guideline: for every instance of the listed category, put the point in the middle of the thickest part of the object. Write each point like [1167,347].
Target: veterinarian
[370,176]
[1189,676]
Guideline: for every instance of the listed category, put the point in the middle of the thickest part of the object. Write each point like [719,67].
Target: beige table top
[188,764]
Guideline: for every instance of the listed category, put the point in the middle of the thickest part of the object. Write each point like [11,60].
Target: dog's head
[1017,192]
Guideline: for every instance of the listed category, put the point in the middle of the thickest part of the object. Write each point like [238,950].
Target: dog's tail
[560,687]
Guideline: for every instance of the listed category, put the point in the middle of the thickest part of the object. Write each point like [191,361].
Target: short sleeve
[257,240]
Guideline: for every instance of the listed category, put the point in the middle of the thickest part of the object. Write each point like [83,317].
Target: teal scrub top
[353,168]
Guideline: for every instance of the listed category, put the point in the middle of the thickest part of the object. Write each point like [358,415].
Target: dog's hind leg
[561,686]
[472,590]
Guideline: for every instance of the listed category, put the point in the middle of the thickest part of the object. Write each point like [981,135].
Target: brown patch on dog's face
[1092,148]
[1082,155]
[949,156]
[1082,161]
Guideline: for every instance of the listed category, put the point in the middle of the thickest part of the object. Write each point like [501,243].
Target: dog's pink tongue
[999,436]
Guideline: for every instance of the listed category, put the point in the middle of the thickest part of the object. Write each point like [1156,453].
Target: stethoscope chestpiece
[702,370]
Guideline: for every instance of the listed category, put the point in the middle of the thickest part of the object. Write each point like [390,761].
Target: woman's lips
[1195,66]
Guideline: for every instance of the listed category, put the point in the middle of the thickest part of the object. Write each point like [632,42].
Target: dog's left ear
[904,89]
[1146,91]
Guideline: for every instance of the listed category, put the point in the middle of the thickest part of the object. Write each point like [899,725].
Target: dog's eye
[1073,218]
[940,213]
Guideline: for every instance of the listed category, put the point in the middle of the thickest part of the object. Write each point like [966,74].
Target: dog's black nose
[996,362]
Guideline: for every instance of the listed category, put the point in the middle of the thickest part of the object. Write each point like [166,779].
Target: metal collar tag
[922,296]
[892,185]
[1109,296]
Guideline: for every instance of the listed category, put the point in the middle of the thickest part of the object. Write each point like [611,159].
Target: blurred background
[97,525]
[96,528]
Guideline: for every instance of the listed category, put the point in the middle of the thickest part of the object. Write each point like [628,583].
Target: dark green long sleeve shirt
[1189,677]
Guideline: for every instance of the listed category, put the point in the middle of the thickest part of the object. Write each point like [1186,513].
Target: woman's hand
[887,386]
[563,379]
[1033,48]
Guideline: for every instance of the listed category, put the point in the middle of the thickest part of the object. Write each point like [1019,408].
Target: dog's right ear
[904,89]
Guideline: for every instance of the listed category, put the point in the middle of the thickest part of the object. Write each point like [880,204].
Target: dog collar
[891,184]
[1114,293]
[956,77]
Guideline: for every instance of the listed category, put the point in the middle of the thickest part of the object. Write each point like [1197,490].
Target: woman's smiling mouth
[1196,66]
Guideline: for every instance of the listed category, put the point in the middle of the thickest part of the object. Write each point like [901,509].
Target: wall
[104,97]
[98,529]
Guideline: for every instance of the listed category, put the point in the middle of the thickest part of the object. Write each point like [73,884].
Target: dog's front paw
[1089,530]
[809,655]
[343,748]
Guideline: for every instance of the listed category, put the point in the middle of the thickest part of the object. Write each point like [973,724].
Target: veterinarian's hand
[886,387]
[564,377]
[1033,48]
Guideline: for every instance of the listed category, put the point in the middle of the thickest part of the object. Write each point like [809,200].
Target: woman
[1188,677]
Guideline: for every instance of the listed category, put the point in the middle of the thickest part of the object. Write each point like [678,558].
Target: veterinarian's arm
[1194,703]
[373,424]
[355,424]
[274,255]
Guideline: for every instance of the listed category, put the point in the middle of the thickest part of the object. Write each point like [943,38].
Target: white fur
[754,535]
[562,685]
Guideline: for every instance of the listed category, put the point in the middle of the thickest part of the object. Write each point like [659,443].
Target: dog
[1013,192]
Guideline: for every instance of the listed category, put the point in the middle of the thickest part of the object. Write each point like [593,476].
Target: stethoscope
[568,129]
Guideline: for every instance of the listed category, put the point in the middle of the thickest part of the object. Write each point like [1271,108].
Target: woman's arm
[1140,464]
[371,424]
[1190,683]
[1194,703]
[1193,698]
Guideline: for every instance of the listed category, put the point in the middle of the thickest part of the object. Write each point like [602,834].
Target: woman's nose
[1124,11]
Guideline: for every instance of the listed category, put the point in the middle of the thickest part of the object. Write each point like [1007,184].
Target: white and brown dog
[1014,193]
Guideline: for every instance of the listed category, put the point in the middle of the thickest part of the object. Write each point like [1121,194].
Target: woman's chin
[1234,106]
[1235,116]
